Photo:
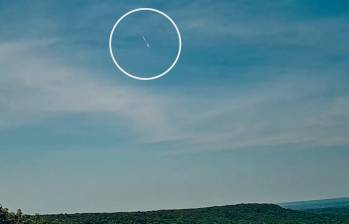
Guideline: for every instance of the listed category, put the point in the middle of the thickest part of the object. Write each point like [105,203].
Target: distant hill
[316,204]
[232,214]
[343,211]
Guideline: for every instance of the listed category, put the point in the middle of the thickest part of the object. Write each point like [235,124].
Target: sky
[256,109]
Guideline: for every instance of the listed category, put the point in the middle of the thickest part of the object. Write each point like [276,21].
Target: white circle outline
[152,77]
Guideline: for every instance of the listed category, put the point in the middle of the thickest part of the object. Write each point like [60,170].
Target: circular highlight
[135,76]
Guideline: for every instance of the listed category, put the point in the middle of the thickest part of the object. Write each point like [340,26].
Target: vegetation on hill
[317,204]
[234,214]
[342,211]
[7,217]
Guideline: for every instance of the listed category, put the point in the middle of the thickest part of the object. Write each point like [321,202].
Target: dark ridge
[230,214]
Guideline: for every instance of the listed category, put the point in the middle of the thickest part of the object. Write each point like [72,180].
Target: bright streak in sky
[146,42]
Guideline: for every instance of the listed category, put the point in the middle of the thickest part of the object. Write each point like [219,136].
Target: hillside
[234,214]
[343,211]
[317,204]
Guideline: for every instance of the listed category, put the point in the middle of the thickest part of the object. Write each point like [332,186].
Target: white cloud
[295,111]
[285,111]
[35,87]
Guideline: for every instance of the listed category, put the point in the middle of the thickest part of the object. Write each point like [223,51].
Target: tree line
[7,217]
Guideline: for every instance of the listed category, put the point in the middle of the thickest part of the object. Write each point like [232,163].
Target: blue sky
[256,110]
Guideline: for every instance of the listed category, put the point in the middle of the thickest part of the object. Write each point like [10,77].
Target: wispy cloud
[282,111]
[296,111]
[34,86]
[302,105]
[268,24]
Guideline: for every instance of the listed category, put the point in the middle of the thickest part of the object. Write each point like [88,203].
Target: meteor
[146,42]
